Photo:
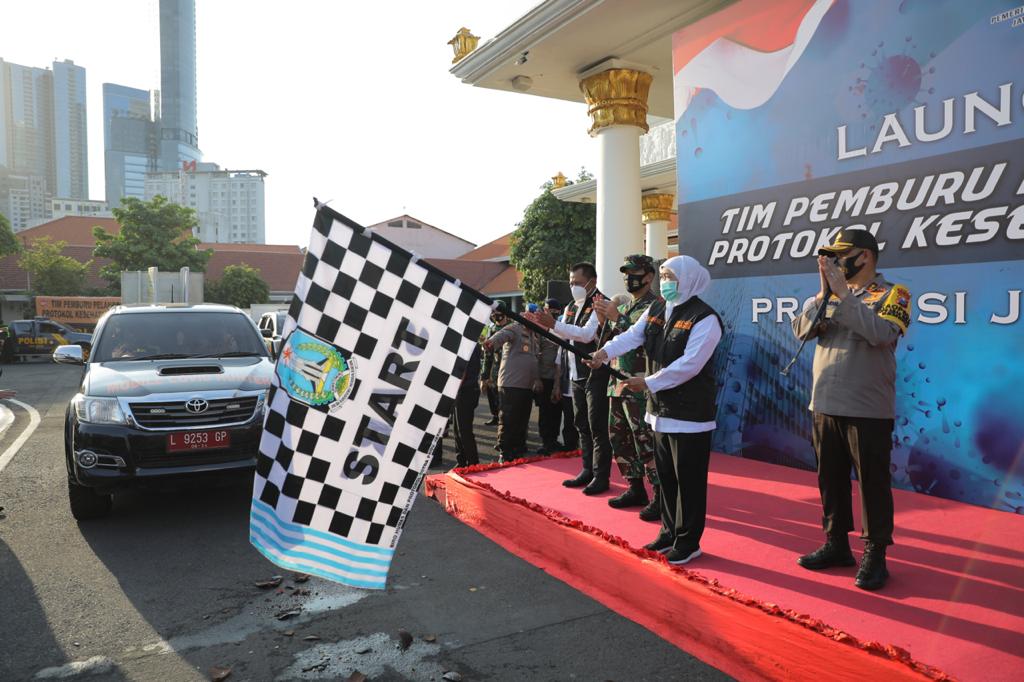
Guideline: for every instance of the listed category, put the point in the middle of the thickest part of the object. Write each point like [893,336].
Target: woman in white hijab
[679,333]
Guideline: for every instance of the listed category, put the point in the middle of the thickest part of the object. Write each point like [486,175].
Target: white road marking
[6,419]
[94,665]
[33,423]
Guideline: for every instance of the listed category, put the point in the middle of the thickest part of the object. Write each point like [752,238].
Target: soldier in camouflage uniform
[631,437]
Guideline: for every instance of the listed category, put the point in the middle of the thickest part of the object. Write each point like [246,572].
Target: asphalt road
[164,590]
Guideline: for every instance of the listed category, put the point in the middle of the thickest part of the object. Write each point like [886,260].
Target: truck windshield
[178,334]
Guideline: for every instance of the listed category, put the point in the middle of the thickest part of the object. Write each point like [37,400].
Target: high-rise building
[228,203]
[129,142]
[43,141]
[178,130]
[70,145]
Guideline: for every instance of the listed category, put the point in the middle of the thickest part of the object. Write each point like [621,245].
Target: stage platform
[953,608]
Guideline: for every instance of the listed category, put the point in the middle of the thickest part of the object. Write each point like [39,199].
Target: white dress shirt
[700,346]
[570,332]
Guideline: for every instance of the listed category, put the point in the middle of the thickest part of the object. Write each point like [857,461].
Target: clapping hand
[833,276]
[606,310]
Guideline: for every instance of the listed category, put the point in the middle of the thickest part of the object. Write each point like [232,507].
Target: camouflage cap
[638,261]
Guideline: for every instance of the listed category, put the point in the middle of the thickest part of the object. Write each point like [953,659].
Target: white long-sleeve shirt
[700,346]
[571,332]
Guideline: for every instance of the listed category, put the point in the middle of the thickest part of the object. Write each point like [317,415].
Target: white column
[657,239]
[618,204]
[617,105]
[657,213]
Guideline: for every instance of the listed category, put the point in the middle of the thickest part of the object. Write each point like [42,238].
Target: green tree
[153,233]
[8,242]
[240,285]
[51,273]
[552,236]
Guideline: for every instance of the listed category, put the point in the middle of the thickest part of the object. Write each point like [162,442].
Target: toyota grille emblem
[197,406]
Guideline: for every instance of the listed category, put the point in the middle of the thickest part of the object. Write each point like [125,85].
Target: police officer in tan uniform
[853,399]
[518,382]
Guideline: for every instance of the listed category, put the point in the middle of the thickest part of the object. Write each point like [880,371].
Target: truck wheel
[86,503]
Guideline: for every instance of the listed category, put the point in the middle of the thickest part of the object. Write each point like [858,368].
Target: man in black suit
[589,387]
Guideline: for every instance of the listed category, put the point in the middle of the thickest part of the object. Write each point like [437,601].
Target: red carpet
[954,606]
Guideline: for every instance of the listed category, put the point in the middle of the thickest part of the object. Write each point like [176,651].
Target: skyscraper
[178,131]
[129,142]
[70,146]
[43,141]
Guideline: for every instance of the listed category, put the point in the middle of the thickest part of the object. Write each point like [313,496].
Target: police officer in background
[549,405]
[466,401]
[518,382]
[853,399]
[491,365]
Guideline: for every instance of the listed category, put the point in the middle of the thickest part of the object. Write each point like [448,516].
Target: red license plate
[199,440]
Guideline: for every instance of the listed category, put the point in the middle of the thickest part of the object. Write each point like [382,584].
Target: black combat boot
[873,573]
[652,512]
[835,552]
[635,495]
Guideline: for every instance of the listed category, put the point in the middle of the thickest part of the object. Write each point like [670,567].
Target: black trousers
[866,445]
[466,401]
[549,414]
[570,436]
[492,400]
[590,399]
[516,406]
[682,462]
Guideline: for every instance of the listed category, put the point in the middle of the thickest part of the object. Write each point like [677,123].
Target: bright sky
[343,100]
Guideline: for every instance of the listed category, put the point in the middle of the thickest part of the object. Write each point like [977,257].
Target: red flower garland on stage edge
[889,651]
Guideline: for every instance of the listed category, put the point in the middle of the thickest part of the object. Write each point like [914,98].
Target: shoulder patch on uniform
[874,292]
[896,307]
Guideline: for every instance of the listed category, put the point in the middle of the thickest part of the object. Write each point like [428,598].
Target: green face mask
[669,290]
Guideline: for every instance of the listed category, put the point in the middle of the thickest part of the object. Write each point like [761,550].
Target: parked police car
[168,391]
[40,336]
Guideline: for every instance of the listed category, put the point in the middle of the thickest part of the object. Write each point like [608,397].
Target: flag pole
[324,210]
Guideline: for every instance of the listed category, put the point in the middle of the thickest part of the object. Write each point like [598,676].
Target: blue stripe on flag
[316,570]
[297,554]
[277,536]
[305,530]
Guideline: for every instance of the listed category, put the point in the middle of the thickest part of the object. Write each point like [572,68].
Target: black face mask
[635,283]
[850,269]
[498,320]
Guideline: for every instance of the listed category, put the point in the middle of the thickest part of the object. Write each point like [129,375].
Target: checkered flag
[376,345]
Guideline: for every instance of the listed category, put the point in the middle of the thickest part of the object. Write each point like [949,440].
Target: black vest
[578,316]
[664,343]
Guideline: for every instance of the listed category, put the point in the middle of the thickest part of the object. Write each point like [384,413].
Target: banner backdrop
[796,118]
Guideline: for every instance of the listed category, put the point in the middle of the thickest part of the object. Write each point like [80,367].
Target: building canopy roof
[561,39]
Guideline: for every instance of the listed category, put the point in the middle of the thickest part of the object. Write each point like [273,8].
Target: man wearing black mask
[491,367]
[631,437]
[589,387]
[853,399]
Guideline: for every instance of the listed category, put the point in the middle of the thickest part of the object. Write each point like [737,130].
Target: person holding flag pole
[679,334]
[377,343]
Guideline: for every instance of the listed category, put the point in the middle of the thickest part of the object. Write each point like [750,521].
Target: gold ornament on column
[559,181]
[617,97]
[657,207]
[463,43]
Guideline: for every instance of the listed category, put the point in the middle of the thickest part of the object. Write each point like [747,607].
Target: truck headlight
[98,410]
